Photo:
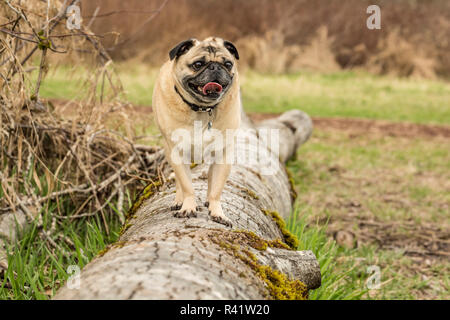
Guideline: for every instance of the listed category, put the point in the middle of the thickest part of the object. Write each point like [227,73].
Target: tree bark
[159,256]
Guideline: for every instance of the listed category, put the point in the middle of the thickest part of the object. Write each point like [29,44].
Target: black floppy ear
[181,49]
[230,47]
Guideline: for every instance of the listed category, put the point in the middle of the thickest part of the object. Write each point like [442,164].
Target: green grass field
[389,194]
[343,94]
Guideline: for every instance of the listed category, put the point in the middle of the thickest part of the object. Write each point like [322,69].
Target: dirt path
[365,126]
[357,126]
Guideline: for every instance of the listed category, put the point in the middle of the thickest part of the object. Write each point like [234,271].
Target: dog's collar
[195,107]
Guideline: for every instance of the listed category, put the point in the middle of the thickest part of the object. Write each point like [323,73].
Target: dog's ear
[230,47]
[181,49]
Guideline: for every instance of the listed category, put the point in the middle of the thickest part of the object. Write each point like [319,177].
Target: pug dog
[198,84]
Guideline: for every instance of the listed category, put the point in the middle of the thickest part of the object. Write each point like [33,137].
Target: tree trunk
[159,256]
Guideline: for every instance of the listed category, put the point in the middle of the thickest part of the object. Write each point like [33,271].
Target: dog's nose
[212,66]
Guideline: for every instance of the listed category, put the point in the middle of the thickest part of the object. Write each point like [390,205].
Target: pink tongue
[212,87]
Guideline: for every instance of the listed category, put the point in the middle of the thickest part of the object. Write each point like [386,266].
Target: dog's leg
[183,177]
[183,182]
[178,196]
[217,177]
[189,206]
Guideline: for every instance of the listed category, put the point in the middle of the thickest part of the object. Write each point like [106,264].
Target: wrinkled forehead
[211,49]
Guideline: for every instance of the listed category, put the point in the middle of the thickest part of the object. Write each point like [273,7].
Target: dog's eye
[197,65]
[228,65]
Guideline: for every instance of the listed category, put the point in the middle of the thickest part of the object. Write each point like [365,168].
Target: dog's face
[204,70]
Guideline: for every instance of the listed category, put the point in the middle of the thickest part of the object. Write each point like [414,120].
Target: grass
[349,94]
[333,165]
[37,269]
[314,238]
[343,94]
[343,178]
[37,265]
[345,272]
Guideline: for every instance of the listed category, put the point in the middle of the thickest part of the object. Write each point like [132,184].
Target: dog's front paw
[222,220]
[217,215]
[176,206]
[188,209]
[185,214]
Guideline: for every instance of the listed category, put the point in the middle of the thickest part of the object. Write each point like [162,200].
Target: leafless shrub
[400,57]
[90,160]
[270,53]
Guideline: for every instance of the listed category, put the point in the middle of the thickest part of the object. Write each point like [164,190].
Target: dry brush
[80,164]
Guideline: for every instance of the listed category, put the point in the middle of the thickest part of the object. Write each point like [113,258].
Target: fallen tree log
[159,256]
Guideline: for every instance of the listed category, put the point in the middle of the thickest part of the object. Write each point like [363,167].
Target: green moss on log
[251,194]
[148,191]
[124,228]
[279,286]
[291,184]
[259,243]
[118,244]
[289,238]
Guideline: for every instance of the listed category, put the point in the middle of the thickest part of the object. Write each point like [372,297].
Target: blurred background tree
[285,35]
